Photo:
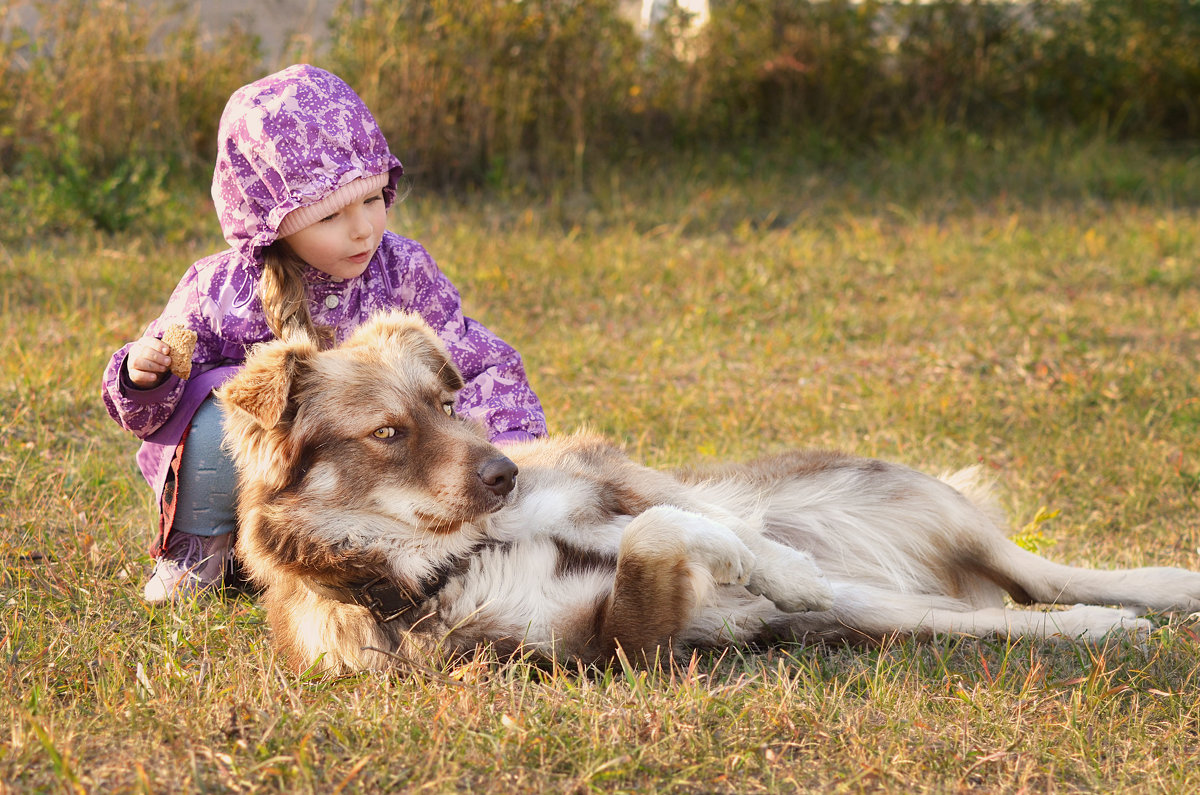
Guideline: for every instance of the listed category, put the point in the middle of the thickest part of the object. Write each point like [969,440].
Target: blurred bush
[102,102]
[107,104]
[491,90]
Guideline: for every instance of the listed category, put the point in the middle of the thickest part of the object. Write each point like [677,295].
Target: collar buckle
[383,599]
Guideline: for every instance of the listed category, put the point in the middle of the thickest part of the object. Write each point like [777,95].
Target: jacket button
[331,301]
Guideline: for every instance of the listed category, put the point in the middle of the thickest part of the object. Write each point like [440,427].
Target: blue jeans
[207,497]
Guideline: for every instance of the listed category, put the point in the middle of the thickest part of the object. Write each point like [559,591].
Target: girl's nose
[361,224]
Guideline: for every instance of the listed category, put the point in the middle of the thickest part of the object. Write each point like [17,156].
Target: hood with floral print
[289,141]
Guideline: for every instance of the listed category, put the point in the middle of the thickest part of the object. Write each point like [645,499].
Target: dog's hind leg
[862,613]
[1030,578]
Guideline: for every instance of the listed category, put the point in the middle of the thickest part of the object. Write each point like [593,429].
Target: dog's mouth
[445,525]
[501,501]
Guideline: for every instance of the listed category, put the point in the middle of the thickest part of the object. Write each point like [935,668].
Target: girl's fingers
[149,359]
[157,364]
[153,352]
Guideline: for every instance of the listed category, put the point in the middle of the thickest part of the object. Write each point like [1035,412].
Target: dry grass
[1050,331]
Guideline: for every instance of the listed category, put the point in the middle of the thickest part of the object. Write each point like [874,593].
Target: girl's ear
[263,386]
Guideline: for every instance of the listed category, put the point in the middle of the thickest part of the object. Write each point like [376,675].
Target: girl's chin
[346,269]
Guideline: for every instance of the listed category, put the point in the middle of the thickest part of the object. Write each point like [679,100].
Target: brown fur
[351,469]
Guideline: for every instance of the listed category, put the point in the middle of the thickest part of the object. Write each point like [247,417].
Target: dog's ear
[433,353]
[262,387]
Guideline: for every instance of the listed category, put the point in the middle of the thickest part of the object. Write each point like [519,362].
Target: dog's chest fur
[554,545]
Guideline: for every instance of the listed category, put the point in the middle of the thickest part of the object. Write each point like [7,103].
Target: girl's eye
[448,407]
[384,433]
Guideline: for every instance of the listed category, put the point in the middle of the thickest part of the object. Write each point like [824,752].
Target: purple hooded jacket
[288,141]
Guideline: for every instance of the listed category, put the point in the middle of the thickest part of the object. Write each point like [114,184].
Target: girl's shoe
[190,564]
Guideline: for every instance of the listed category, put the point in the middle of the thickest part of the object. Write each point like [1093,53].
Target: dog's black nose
[499,475]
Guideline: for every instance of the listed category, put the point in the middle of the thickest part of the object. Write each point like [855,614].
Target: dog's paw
[792,580]
[711,544]
[729,560]
[1094,623]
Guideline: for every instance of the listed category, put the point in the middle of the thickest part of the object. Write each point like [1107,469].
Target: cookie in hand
[183,343]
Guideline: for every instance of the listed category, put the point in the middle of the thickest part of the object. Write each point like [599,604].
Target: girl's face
[343,243]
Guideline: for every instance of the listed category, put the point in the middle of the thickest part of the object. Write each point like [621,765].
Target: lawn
[1033,307]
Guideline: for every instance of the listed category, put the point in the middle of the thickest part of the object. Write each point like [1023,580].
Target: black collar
[388,600]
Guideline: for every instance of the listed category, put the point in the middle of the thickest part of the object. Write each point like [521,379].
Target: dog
[382,528]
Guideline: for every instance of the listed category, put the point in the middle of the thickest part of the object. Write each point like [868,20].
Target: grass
[1033,307]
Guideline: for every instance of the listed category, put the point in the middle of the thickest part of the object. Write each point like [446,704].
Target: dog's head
[367,426]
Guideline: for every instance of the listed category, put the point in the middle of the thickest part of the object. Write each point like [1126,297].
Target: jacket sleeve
[497,391]
[143,411]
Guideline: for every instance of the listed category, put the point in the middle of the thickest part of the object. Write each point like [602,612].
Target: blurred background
[939,233]
[109,106]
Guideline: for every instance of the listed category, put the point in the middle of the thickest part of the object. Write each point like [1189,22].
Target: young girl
[302,185]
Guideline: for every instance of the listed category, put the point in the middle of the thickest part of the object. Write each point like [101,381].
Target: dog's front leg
[789,577]
[668,562]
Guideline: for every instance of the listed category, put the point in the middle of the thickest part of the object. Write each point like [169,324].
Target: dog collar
[385,599]
[388,600]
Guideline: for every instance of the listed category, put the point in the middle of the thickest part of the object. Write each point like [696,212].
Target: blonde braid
[284,295]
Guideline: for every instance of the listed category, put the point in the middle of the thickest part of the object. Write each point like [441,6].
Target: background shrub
[107,106]
[493,89]
[102,101]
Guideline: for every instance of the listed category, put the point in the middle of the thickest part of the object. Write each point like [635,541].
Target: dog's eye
[448,407]
[384,433]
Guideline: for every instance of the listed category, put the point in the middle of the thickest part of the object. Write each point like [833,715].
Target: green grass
[1034,307]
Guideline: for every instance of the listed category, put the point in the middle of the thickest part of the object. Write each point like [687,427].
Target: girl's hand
[148,362]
